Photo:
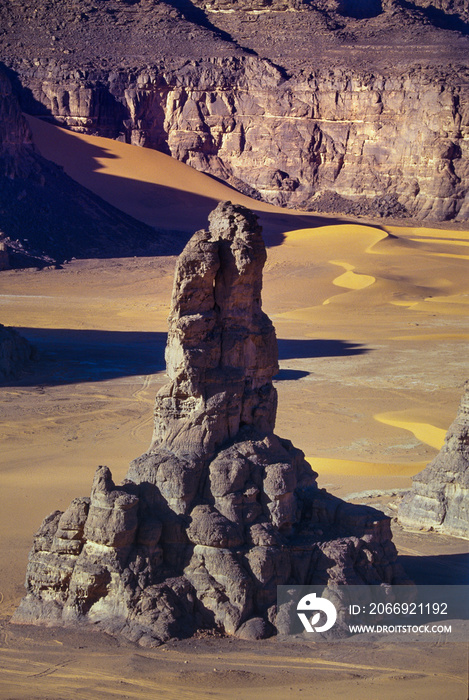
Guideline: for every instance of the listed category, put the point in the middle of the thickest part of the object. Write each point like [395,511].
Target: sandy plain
[372,328]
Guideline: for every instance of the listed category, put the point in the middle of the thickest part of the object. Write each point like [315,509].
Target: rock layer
[439,498]
[305,103]
[294,142]
[220,510]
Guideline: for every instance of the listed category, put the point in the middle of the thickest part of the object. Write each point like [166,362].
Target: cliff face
[16,147]
[322,105]
[439,495]
[287,141]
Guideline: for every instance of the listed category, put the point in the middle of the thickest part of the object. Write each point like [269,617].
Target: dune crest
[425,432]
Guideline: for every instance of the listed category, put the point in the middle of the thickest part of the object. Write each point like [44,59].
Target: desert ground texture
[371,321]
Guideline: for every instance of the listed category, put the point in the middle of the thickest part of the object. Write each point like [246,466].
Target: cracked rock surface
[439,498]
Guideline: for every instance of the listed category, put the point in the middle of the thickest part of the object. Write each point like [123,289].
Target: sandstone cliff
[357,107]
[220,510]
[440,493]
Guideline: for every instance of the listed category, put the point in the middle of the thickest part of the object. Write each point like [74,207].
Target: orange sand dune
[147,184]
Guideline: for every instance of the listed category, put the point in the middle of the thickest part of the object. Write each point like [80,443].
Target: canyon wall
[370,139]
[353,106]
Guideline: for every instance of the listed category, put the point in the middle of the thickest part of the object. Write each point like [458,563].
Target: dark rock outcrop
[220,510]
[15,353]
[439,498]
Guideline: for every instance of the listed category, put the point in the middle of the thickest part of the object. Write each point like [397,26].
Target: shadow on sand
[438,570]
[69,356]
[72,356]
[289,349]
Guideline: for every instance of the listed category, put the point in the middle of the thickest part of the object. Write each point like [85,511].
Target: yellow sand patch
[433,233]
[351,279]
[355,238]
[455,305]
[425,432]
[324,465]
[432,336]
[450,306]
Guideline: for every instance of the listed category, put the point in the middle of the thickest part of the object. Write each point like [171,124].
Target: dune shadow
[289,375]
[440,569]
[69,356]
[289,349]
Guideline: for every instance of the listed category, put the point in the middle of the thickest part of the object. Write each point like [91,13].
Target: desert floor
[372,328]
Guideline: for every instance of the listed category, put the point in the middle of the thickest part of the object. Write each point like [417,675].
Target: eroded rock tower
[220,510]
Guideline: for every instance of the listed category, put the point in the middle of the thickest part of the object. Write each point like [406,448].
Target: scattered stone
[439,499]
[375,493]
[220,510]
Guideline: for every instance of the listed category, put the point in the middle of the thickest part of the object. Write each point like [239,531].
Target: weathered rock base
[123,564]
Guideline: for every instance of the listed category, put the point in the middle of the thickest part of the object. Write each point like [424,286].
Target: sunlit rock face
[439,498]
[221,353]
[353,106]
[220,510]
[371,144]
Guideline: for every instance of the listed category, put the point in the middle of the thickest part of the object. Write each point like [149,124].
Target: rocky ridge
[316,105]
[440,493]
[220,510]
[303,142]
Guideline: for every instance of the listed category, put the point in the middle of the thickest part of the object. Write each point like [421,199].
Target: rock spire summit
[221,353]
